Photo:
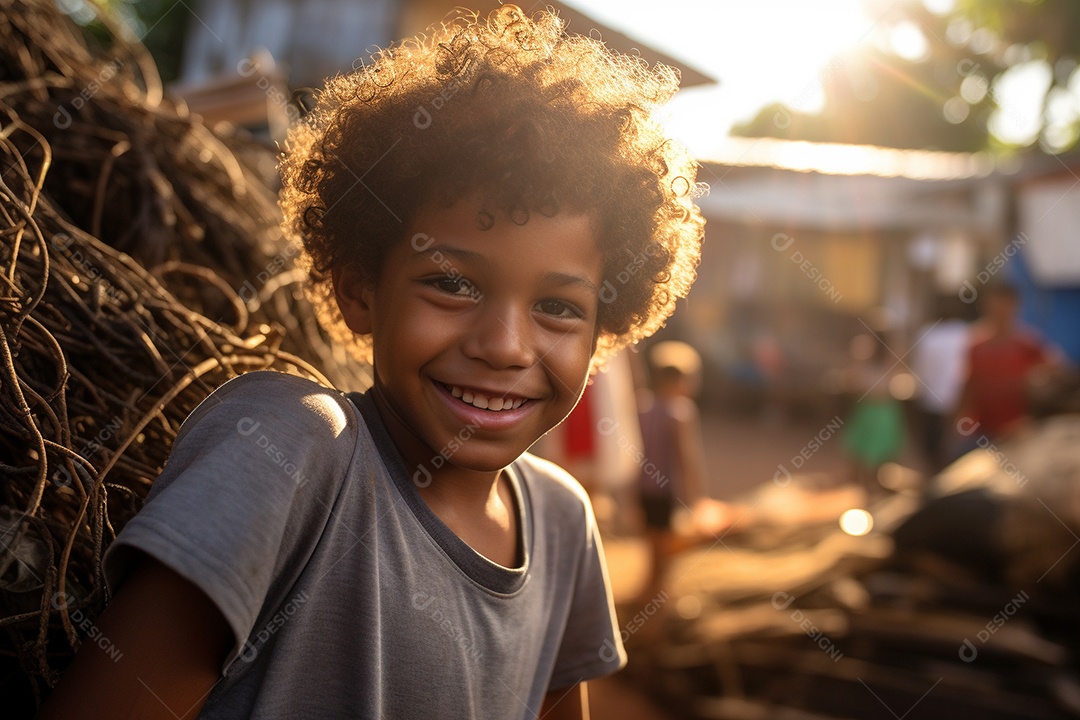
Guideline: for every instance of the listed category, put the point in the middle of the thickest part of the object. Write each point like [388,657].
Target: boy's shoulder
[268,397]
[555,485]
[264,379]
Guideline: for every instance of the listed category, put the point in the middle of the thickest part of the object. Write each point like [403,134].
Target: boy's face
[463,319]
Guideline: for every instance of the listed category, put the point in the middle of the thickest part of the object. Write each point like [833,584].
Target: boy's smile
[482,339]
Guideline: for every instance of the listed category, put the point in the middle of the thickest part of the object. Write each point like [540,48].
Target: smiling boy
[499,350]
[426,565]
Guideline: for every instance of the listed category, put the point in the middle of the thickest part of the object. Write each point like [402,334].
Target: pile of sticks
[141,265]
[960,602]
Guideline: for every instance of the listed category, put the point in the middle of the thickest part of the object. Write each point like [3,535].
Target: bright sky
[761,51]
[764,51]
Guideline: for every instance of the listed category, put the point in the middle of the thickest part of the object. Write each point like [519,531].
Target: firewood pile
[962,601]
[142,266]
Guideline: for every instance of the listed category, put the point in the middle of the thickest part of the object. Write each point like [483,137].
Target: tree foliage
[160,25]
[951,95]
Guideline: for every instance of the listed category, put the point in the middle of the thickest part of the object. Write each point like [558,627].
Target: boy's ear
[354,298]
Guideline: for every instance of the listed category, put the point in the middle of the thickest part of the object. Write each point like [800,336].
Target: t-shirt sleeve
[591,645]
[253,455]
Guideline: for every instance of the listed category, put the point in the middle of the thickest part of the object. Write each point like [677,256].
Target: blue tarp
[1053,311]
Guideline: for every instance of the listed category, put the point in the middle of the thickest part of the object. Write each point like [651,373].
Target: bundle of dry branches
[142,265]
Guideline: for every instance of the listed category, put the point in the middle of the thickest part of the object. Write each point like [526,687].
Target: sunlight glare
[797,45]
[856,522]
[908,42]
[760,52]
[974,88]
[1019,92]
[940,7]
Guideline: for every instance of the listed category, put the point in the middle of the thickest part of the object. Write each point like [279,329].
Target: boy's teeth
[483,402]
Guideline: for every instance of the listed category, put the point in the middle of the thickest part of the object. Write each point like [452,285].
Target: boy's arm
[167,643]
[566,704]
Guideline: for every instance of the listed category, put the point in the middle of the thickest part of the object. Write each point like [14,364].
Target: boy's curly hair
[535,120]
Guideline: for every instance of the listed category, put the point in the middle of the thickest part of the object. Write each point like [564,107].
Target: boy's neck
[480,511]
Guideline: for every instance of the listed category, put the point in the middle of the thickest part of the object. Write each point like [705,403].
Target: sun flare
[803,43]
[760,52]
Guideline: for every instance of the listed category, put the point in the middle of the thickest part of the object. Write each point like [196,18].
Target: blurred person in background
[1004,357]
[874,432]
[673,459]
[939,364]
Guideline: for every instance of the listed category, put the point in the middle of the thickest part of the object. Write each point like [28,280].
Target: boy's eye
[456,286]
[559,309]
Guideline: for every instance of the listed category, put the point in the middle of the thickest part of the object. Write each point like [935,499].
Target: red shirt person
[1002,357]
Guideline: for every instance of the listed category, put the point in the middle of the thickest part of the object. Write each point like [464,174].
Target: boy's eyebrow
[470,256]
[559,278]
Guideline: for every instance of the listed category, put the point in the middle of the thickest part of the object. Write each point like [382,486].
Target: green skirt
[874,432]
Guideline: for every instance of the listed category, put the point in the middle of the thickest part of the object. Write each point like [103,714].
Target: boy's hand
[172,641]
[570,703]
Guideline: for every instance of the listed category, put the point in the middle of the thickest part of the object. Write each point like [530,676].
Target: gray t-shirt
[289,506]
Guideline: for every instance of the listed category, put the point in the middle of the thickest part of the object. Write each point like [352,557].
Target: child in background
[874,433]
[673,460]
[1004,357]
[309,553]
[938,361]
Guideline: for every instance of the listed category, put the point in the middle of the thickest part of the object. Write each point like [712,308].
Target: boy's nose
[501,337]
